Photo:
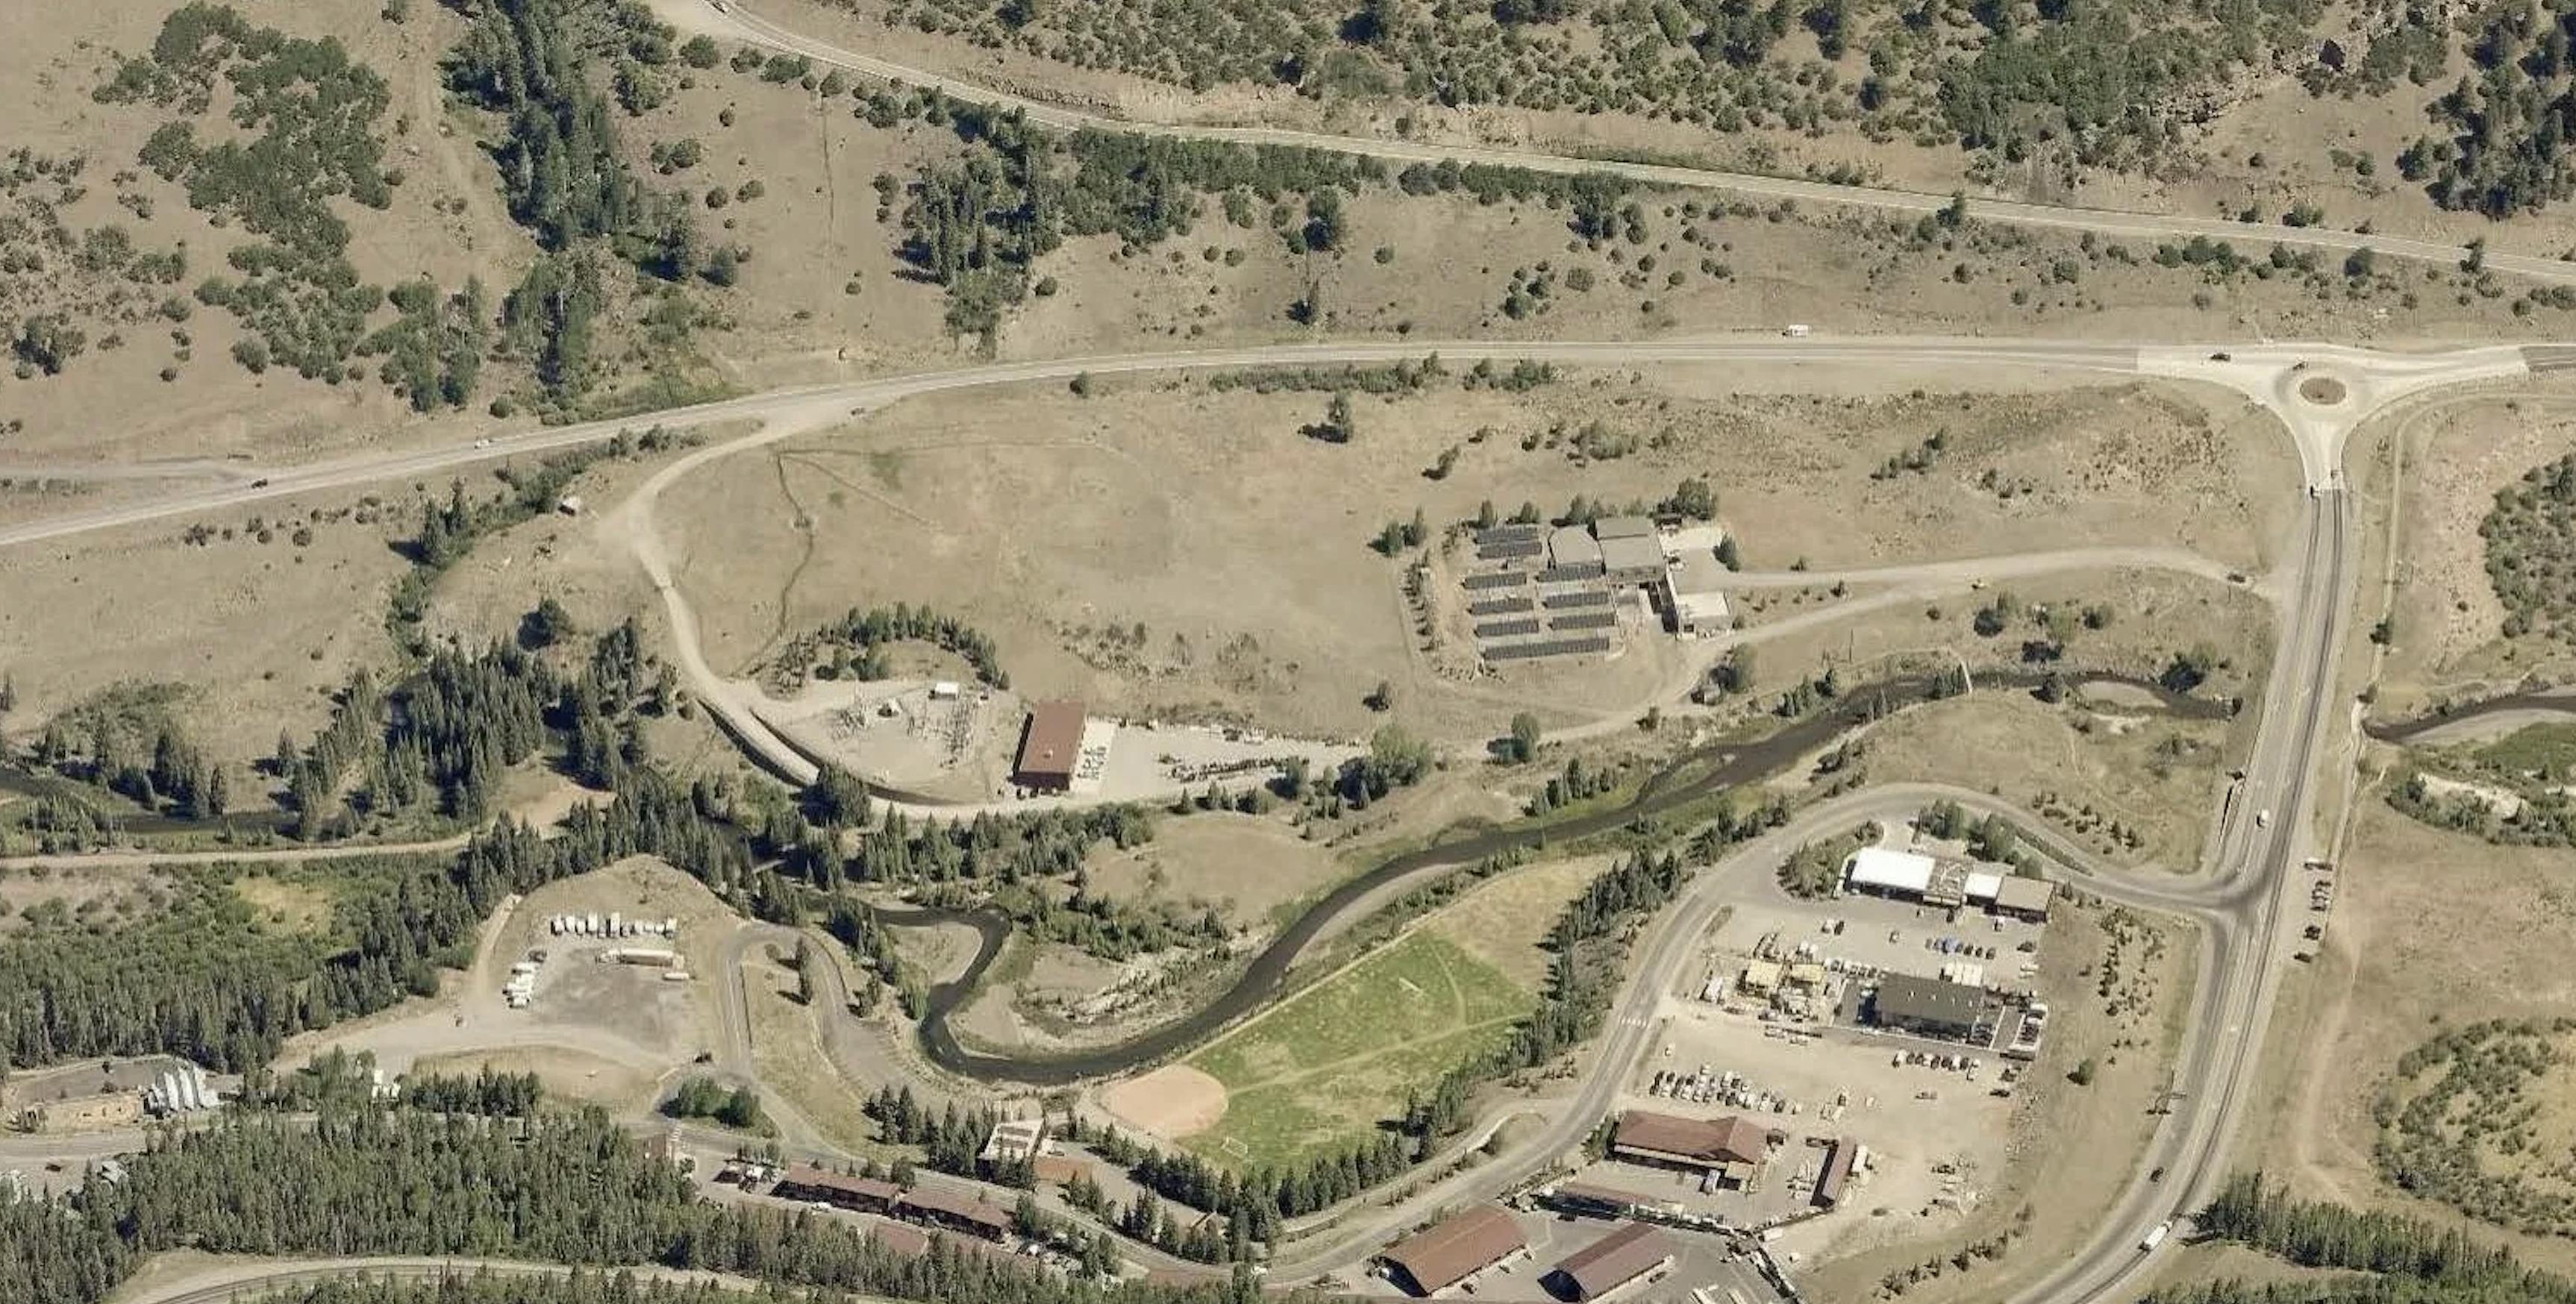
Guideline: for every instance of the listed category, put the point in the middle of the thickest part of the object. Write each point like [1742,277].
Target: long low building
[1452,1251]
[968,1214]
[1732,1146]
[858,1194]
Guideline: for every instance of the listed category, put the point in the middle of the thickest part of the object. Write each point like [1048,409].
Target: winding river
[1700,773]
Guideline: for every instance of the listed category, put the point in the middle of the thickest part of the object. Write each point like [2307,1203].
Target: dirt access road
[728,18]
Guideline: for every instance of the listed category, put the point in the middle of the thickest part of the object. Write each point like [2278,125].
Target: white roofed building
[1887,872]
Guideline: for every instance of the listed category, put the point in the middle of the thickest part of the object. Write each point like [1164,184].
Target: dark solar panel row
[1586,620]
[1497,580]
[1579,598]
[1507,628]
[1551,648]
[1499,606]
[1569,574]
[1510,534]
[1509,551]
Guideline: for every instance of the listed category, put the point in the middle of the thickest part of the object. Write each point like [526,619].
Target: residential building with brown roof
[1631,1254]
[1455,1250]
[861,1194]
[963,1213]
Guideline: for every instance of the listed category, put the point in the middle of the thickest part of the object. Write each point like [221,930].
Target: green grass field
[1324,1068]
[2545,749]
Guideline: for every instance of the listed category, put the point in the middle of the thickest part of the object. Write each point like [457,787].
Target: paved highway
[731,19]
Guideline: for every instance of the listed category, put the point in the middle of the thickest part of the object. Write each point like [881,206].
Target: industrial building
[1454,1251]
[1913,876]
[1634,1253]
[1927,1007]
[1732,1148]
[1050,746]
[1841,1156]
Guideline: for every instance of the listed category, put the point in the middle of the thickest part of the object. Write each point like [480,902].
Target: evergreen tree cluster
[702,1097]
[986,849]
[854,647]
[203,979]
[200,975]
[570,1188]
[307,115]
[2411,1261]
[951,1140]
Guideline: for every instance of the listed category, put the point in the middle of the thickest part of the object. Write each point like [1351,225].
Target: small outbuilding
[1572,548]
[1633,559]
[2024,898]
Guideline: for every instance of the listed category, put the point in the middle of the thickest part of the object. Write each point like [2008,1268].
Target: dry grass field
[2413,947]
[257,626]
[2152,615]
[2456,455]
[1257,596]
[1244,866]
[825,293]
[2154,777]
[2253,136]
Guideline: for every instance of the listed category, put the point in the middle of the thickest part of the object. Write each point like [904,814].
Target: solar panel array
[1551,648]
[1579,598]
[1497,580]
[1500,606]
[1507,628]
[1586,620]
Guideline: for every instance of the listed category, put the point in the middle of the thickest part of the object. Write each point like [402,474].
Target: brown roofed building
[1049,745]
[1836,1172]
[1699,1143]
[862,1194]
[1624,1257]
[1455,1250]
[961,1212]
